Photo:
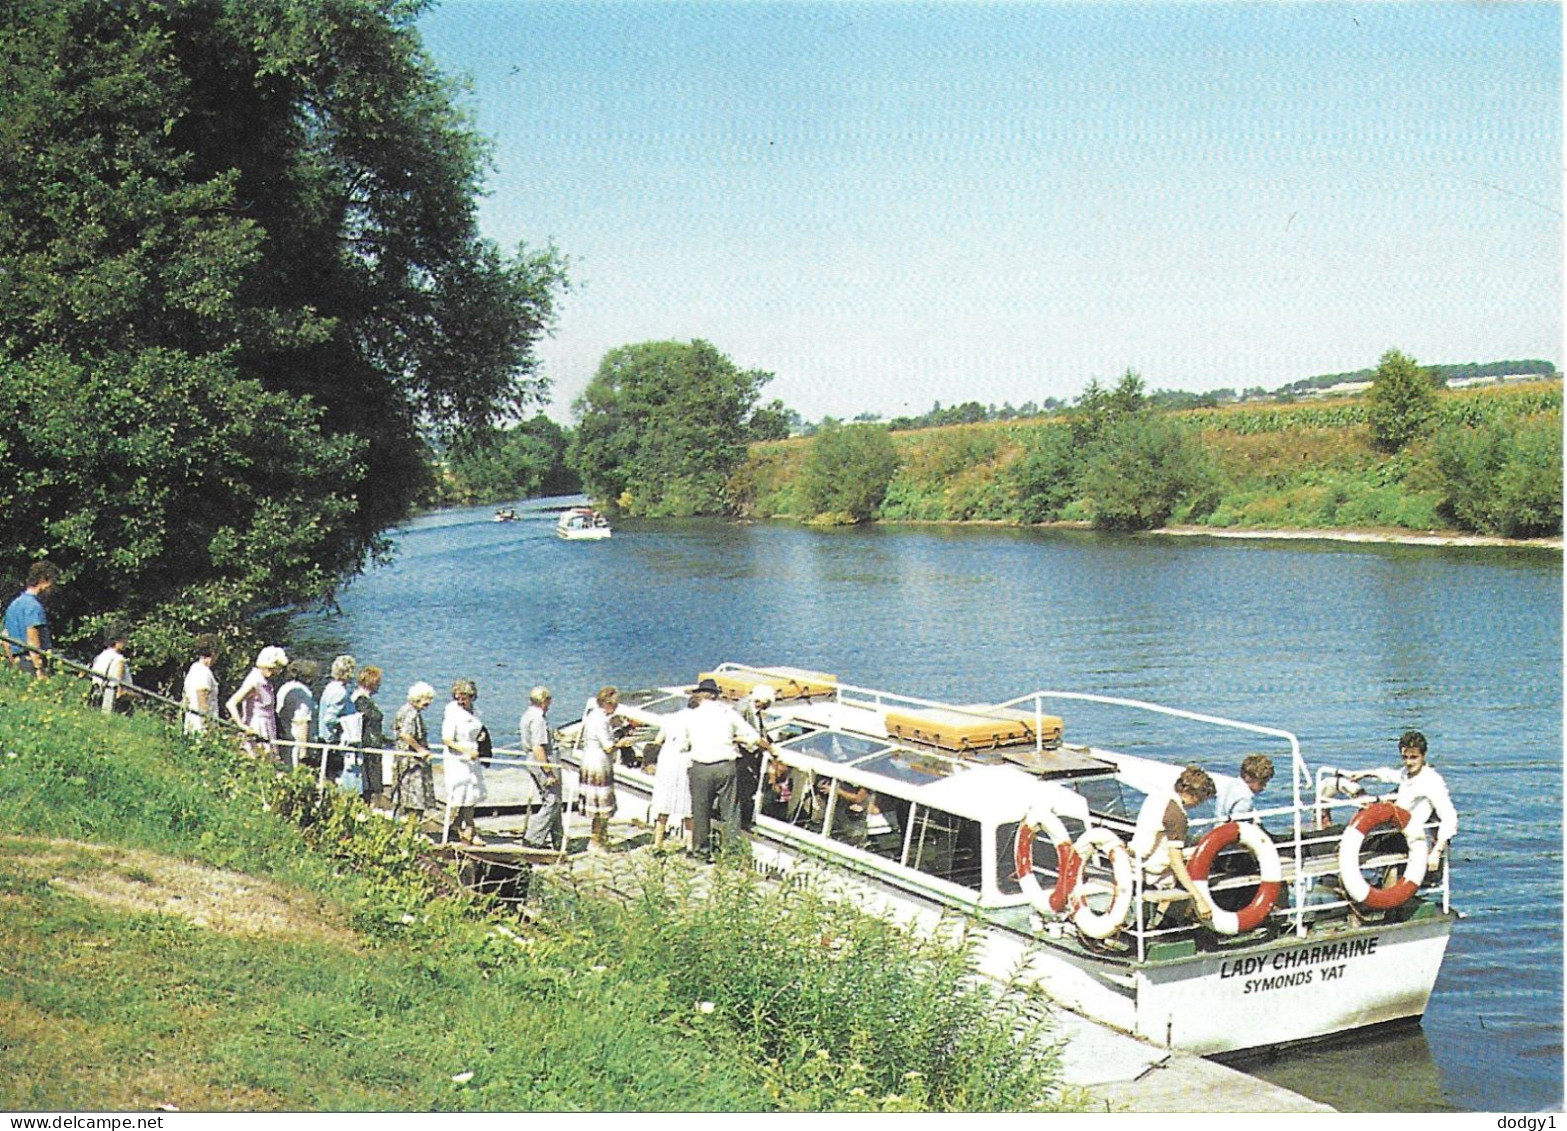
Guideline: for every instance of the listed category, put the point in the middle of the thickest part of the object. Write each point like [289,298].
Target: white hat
[763,693]
[421,690]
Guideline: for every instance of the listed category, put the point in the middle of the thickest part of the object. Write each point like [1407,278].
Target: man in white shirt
[1234,802]
[711,733]
[1418,782]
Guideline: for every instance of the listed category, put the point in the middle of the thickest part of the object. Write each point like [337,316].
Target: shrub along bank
[1488,460]
[184,928]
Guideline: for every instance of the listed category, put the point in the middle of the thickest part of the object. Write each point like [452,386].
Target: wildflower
[913,1074]
[409,919]
[601,969]
[462,1077]
[704,1007]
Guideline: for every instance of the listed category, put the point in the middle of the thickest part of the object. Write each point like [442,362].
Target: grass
[182,928]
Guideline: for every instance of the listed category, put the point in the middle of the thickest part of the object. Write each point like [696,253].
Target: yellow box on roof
[789,683]
[953,729]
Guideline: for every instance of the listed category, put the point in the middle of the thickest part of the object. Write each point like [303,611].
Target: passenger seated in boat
[851,814]
[1159,841]
[782,784]
[1234,802]
[1418,781]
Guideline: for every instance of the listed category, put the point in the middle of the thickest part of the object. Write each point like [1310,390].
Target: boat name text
[1298,967]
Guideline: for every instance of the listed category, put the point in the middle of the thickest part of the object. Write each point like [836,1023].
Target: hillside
[1490,463]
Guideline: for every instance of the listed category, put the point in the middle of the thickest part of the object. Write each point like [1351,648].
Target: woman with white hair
[671,804]
[413,782]
[460,730]
[254,704]
[336,701]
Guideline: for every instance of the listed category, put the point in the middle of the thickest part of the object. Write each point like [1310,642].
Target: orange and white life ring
[1269,868]
[1043,819]
[1372,816]
[1102,924]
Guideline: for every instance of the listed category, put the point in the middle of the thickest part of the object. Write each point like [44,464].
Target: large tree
[240,278]
[662,425]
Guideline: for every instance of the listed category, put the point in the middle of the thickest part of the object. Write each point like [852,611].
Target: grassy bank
[181,928]
[1490,463]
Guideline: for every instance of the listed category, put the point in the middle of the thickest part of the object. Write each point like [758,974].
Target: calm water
[1347,646]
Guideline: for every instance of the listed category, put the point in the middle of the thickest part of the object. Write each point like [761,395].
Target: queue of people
[707,759]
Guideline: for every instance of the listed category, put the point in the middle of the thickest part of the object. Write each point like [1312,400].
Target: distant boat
[505,514]
[581,524]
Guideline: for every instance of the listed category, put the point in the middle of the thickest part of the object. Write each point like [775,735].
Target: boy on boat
[1160,838]
[1418,781]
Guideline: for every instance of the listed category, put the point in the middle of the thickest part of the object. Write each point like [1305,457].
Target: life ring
[1103,924]
[1068,862]
[1374,815]
[1269,868]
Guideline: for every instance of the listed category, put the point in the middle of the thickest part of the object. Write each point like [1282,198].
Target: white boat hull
[1220,1002]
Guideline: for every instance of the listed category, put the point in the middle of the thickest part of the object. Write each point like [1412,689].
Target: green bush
[848,470]
[1140,470]
[1503,479]
[843,1011]
[1044,477]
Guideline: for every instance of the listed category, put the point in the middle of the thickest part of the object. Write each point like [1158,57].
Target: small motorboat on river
[987,811]
[582,524]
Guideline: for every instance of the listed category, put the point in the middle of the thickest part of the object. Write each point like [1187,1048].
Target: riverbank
[187,930]
[1372,535]
[1488,464]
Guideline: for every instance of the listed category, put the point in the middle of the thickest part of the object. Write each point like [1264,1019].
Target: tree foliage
[848,470]
[1140,470]
[1401,403]
[662,426]
[1503,478]
[268,207]
[523,461]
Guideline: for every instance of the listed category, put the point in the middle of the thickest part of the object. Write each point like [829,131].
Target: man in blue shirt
[26,621]
[1234,802]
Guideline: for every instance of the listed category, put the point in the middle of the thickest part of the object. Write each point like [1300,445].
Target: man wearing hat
[713,735]
[748,767]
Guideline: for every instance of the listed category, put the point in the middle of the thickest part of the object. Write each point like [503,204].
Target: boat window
[649,697]
[861,819]
[787,731]
[791,794]
[836,746]
[946,846]
[1109,796]
[908,766]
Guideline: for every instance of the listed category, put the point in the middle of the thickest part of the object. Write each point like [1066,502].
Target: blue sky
[887,205]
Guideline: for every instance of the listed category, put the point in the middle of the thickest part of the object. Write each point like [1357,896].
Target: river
[1345,644]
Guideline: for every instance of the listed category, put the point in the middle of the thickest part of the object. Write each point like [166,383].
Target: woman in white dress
[671,784]
[464,775]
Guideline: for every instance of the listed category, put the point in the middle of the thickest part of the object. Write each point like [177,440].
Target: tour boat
[988,813]
[582,524]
